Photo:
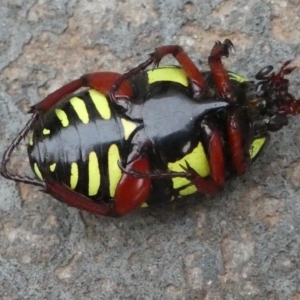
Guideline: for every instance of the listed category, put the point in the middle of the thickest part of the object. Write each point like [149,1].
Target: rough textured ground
[242,244]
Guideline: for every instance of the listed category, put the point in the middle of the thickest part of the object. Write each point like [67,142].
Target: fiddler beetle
[151,135]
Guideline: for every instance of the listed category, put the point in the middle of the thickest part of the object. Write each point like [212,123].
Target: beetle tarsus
[154,175]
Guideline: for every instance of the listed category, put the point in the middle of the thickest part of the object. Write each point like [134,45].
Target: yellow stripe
[101,104]
[94,174]
[74,175]
[144,205]
[128,127]
[62,117]
[37,171]
[30,138]
[256,146]
[80,108]
[168,74]
[46,131]
[113,169]
[188,191]
[52,167]
[198,161]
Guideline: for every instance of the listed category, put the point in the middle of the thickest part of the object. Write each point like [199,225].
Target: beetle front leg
[219,72]
[214,152]
[101,81]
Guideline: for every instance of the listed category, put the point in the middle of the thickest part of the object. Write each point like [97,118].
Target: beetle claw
[222,49]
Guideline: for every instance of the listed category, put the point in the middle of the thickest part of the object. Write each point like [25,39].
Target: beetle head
[273,100]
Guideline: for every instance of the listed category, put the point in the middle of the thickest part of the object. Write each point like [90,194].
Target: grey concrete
[242,244]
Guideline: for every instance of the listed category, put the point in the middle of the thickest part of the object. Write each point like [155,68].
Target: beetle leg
[8,152]
[215,153]
[203,185]
[64,194]
[220,75]
[151,175]
[132,192]
[239,156]
[101,81]
[193,73]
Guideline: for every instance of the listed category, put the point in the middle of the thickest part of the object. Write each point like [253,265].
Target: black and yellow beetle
[151,135]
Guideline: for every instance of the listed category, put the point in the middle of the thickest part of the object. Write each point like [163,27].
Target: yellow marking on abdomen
[144,205]
[128,127]
[80,108]
[94,174]
[198,161]
[168,73]
[256,146]
[101,104]
[46,131]
[62,117]
[113,169]
[74,175]
[37,171]
[52,167]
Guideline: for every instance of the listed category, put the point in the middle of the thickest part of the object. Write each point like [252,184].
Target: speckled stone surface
[242,244]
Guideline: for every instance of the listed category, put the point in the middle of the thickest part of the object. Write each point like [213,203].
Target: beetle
[151,135]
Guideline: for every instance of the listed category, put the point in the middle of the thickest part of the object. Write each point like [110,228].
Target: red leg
[193,73]
[132,192]
[220,74]
[66,195]
[101,81]
[203,185]
[236,143]
[215,154]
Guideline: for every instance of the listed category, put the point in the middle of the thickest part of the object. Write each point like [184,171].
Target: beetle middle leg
[130,193]
[219,72]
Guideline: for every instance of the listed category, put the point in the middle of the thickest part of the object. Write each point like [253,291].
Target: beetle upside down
[149,136]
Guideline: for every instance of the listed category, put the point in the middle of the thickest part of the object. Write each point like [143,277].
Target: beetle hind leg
[101,81]
[8,152]
[192,72]
[64,194]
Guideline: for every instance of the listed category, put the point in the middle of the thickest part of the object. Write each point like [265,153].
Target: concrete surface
[242,244]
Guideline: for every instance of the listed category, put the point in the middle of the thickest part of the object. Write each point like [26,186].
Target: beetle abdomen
[78,143]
